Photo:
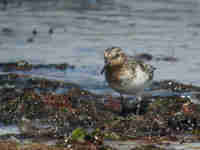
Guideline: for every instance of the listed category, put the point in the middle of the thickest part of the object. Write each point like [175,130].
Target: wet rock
[30,40]
[19,65]
[132,24]
[51,31]
[144,57]
[34,32]
[5,2]
[167,58]
[175,86]
[195,34]
[35,127]
[23,65]
[148,147]
[79,117]
[7,31]
[8,145]
[175,117]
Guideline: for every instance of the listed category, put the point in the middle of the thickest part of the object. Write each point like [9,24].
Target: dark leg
[121,97]
[139,99]
[122,103]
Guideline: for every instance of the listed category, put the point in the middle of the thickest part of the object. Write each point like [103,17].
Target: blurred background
[78,31]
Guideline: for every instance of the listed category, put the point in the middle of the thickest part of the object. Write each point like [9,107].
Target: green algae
[79,135]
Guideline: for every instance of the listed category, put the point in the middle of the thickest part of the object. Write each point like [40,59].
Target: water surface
[82,29]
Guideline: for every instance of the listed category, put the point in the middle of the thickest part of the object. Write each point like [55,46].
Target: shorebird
[126,74]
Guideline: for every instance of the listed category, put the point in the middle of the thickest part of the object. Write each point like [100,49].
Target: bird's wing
[134,62]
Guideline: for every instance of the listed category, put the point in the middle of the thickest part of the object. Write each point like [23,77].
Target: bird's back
[147,68]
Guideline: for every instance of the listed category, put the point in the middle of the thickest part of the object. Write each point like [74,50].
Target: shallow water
[82,29]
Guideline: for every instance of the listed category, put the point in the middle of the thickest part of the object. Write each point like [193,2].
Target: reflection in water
[82,29]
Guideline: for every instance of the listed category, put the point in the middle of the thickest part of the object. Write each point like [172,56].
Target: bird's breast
[127,80]
[113,74]
[118,77]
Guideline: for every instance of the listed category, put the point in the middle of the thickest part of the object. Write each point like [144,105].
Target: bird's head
[113,56]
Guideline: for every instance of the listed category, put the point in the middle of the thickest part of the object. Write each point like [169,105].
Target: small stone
[30,40]
[34,32]
[51,31]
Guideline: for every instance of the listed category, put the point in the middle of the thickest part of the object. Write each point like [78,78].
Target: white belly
[134,85]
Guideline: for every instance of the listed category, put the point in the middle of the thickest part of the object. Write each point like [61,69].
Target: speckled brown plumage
[124,74]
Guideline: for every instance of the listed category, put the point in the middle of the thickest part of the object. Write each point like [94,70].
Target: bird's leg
[121,99]
[139,98]
[122,102]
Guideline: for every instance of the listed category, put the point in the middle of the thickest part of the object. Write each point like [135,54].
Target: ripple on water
[83,29]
